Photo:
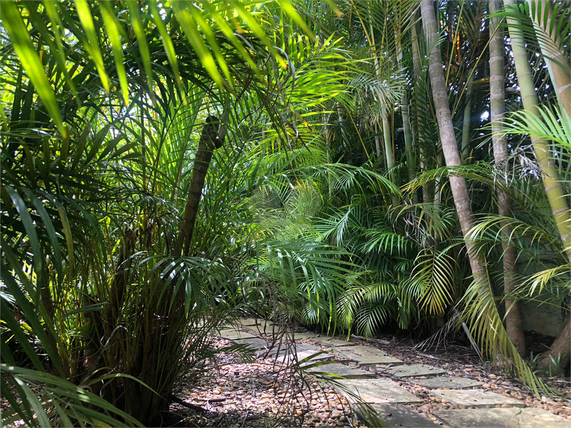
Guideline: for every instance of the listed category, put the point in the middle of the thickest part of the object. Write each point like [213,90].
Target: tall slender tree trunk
[378,140]
[449,146]
[389,152]
[514,320]
[560,349]
[417,70]
[328,137]
[408,142]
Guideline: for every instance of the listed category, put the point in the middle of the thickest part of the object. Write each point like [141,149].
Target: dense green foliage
[324,197]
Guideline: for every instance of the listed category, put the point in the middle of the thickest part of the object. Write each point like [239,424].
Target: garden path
[394,389]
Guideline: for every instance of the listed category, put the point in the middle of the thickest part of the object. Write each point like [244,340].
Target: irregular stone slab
[232,334]
[343,371]
[331,341]
[268,329]
[253,342]
[321,357]
[395,415]
[367,355]
[451,382]
[302,350]
[303,336]
[501,418]
[377,391]
[415,370]
[475,398]
[248,322]
[289,349]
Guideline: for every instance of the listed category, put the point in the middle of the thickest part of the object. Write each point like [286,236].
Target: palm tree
[514,320]
[478,299]
[549,173]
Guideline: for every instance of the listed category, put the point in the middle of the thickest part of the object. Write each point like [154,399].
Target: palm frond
[486,325]
[432,280]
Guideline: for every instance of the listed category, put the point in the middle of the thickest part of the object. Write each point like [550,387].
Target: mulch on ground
[265,393]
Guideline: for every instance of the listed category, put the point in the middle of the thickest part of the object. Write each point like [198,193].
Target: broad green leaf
[143,46]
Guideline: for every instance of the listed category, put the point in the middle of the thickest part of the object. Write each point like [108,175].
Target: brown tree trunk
[514,321]
[212,138]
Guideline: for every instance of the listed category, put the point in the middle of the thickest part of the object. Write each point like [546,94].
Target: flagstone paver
[397,415]
[378,391]
[501,418]
[475,398]
[303,336]
[332,341]
[343,370]
[248,322]
[451,382]
[321,357]
[300,352]
[367,355]
[233,334]
[254,342]
[415,370]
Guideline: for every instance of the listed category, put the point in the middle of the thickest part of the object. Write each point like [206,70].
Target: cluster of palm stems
[168,167]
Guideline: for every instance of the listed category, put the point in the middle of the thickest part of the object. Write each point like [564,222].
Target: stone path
[356,369]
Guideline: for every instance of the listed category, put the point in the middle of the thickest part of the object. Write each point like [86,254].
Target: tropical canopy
[353,166]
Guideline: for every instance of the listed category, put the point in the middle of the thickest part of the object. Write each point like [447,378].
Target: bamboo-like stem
[416,66]
[551,183]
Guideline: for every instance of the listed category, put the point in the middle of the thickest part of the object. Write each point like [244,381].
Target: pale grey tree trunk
[447,137]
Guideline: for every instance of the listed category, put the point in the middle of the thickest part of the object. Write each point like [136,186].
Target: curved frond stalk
[551,22]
